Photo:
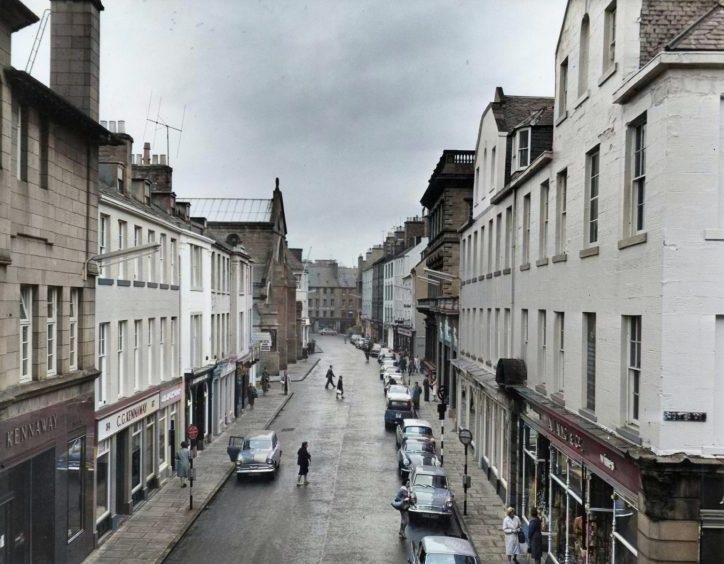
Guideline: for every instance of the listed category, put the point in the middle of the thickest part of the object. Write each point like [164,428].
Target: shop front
[198,404]
[404,339]
[170,426]
[222,383]
[585,488]
[46,483]
[128,457]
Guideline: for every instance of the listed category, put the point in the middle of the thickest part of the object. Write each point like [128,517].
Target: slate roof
[538,118]
[510,111]
[705,34]
[662,21]
[232,210]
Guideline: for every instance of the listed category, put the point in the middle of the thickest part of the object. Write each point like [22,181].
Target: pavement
[149,534]
[484,521]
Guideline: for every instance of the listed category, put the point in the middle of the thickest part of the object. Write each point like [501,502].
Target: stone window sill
[630,434]
[608,74]
[563,257]
[637,239]
[589,252]
[152,284]
[481,277]
[163,286]
[561,118]
[121,282]
[176,287]
[525,266]
[588,414]
[139,284]
[541,389]
[542,262]
[489,275]
[582,98]
[105,281]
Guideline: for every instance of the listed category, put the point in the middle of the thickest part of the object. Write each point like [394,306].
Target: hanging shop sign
[404,332]
[127,416]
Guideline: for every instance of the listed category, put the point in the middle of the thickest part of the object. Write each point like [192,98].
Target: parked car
[435,549]
[327,331]
[431,498]
[399,407]
[399,389]
[362,343]
[413,428]
[257,453]
[375,350]
[389,363]
[416,451]
[385,354]
[391,379]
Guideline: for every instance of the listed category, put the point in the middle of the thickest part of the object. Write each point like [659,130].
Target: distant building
[333,298]
[301,275]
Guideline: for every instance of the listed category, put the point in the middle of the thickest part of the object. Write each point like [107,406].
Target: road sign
[192,431]
[465,436]
[442,392]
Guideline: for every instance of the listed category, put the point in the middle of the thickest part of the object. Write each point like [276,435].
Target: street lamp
[466,437]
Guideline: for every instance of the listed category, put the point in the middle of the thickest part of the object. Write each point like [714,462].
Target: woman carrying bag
[514,535]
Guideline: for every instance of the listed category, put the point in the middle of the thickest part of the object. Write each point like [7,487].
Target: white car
[326,331]
[444,549]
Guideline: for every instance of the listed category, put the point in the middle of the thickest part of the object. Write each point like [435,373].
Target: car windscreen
[449,559]
[399,405]
[419,446]
[417,430]
[258,443]
[430,481]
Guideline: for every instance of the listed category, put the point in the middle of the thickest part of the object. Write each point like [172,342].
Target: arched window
[583,58]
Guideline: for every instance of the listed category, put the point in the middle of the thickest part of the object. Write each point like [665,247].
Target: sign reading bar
[127,416]
[696,416]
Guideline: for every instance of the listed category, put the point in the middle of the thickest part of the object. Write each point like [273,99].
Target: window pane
[102,477]
[76,456]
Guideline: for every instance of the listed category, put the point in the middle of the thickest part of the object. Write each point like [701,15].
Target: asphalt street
[344,514]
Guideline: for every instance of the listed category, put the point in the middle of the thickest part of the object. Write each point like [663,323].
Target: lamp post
[466,437]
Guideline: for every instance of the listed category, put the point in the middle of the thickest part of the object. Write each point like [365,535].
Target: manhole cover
[287,430]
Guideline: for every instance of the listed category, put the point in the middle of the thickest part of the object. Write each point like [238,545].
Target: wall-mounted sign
[696,416]
[404,332]
[129,415]
[171,395]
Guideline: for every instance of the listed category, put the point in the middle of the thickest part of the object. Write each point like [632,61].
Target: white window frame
[492,168]
[522,152]
[195,339]
[103,334]
[174,270]
[526,228]
[162,259]
[524,334]
[544,219]
[633,370]
[27,327]
[137,242]
[498,242]
[542,343]
[560,348]
[162,349]
[197,267]
[122,244]
[561,210]
[609,34]
[172,347]
[51,326]
[637,198]
[508,237]
[583,55]
[149,348]
[137,366]
[563,88]
[151,277]
[104,236]
[121,356]
[593,173]
[73,317]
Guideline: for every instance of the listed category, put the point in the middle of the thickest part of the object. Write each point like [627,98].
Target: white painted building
[367,294]
[388,304]
[598,265]
[409,323]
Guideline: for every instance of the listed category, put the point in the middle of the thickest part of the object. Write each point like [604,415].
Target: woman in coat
[183,462]
[303,459]
[511,526]
[340,388]
[535,536]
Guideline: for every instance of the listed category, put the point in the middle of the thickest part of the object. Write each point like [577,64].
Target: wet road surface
[344,514]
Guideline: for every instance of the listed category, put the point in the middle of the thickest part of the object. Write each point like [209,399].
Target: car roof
[398,396]
[418,439]
[431,470]
[415,423]
[447,545]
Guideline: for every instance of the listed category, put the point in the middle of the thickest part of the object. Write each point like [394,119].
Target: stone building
[613,293]
[49,141]
[260,226]
[333,298]
[301,275]
[448,201]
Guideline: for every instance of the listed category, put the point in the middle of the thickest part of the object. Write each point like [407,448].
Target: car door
[234,446]
[277,452]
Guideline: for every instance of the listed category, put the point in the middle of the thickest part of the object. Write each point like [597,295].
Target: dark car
[399,407]
[257,453]
[417,451]
[431,497]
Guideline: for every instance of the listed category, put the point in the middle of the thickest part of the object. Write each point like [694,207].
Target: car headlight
[449,504]
[269,461]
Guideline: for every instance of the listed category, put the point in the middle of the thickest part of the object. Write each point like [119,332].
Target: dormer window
[147,194]
[523,144]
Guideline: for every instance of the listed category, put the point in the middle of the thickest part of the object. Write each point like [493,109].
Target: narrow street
[344,514]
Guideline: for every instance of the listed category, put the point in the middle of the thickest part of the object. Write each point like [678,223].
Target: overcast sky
[348,102]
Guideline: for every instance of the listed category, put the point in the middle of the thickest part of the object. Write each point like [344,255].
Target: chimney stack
[75,30]
[147,153]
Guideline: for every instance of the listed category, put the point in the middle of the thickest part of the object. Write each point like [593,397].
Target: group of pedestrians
[330,382]
[516,537]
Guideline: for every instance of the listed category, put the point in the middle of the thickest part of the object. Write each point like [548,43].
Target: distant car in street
[257,453]
[375,350]
[431,497]
[326,331]
[413,428]
[436,549]
[416,451]
[399,407]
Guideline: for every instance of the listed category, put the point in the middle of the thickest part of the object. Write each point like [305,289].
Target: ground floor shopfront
[137,441]
[46,478]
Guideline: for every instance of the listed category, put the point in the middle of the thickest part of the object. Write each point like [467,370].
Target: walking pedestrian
[426,386]
[417,364]
[264,382]
[183,462]
[416,393]
[402,503]
[511,526]
[251,394]
[330,378]
[340,388]
[285,383]
[535,536]
[403,364]
[303,459]
[367,355]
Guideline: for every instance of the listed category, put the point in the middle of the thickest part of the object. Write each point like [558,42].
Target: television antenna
[169,127]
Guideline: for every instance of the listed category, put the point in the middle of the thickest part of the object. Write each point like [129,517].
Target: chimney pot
[162,159]
[121,126]
[112,126]
[155,159]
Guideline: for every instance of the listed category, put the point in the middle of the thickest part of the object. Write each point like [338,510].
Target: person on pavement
[285,383]
[402,503]
[251,394]
[511,526]
[264,382]
[535,536]
[183,462]
[416,393]
[340,388]
[417,364]
[303,459]
[330,378]
[367,355]
[426,386]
